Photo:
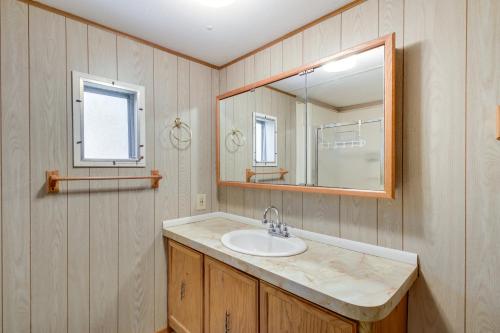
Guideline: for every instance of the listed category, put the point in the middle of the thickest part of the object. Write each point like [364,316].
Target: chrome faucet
[276,228]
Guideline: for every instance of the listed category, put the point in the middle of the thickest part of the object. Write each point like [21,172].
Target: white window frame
[79,81]
[254,158]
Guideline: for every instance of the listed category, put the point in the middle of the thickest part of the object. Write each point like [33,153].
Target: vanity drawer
[185,289]
[283,312]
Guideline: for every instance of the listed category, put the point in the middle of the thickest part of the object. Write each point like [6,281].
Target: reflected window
[265,140]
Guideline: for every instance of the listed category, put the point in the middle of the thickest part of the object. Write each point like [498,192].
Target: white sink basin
[258,242]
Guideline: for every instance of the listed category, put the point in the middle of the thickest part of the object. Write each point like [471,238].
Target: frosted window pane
[106,129]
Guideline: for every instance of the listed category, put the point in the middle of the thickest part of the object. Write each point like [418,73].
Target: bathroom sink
[258,242]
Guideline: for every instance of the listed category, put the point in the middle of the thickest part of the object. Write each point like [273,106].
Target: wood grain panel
[78,197]
[276,53]
[136,207]
[292,208]
[360,24]
[213,115]
[166,161]
[284,312]
[231,299]
[321,213]
[390,212]
[48,129]
[358,216]
[14,98]
[183,108]
[321,40]
[185,289]
[103,207]
[483,173]
[434,183]
[200,107]
[358,219]
[250,70]
[262,65]
[236,75]
[292,52]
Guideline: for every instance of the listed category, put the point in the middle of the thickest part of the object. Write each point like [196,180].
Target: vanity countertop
[357,285]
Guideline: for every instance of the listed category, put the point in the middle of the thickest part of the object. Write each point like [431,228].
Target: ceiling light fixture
[341,65]
[216,3]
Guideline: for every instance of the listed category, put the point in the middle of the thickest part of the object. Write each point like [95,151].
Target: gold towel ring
[237,138]
[177,128]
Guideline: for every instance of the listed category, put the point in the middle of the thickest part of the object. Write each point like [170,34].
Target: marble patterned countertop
[357,285]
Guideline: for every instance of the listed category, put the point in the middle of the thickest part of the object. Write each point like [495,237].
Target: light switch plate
[201,201]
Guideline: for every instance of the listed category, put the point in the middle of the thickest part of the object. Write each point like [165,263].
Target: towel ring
[176,132]
[237,138]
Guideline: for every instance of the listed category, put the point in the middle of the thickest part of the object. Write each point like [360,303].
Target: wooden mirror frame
[388,42]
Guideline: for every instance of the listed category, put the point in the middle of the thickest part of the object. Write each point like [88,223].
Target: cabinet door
[185,289]
[231,300]
[283,312]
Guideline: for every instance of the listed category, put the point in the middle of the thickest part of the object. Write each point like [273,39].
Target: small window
[265,132]
[108,123]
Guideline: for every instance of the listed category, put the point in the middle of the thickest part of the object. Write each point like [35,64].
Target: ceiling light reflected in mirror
[341,65]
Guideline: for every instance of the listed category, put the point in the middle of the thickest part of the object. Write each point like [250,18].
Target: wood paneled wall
[447,199]
[91,258]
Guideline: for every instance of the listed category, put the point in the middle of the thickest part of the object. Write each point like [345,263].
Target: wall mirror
[326,127]
[108,123]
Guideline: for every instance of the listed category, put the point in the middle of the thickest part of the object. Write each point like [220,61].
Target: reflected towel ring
[181,126]
[237,138]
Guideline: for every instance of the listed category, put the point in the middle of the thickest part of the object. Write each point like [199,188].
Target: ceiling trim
[182,55]
[336,12]
[117,32]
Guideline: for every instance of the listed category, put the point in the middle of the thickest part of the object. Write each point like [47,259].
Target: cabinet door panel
[185,289]
[283,312]
[231,299]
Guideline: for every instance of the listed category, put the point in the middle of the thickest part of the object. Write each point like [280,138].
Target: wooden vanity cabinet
[231,300]
[284,312]
[185,289]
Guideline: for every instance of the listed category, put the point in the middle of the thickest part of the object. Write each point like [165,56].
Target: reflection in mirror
[345,116]
[261,134]
[324,127]
[264,140]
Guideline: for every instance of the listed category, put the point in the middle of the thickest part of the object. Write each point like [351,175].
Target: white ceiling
[180,25]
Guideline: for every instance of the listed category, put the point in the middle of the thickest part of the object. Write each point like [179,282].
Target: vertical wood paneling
[483,172]
[166,157]
[360,24]
[200,107]
[276,54]
[184,198]
[78,199]
[390,212]
[322,40]
[434,155]
[15,141]
[292,52]
[358,216]
[236,75]
[103,207]
[48,151]
[262,65]
[321,213]
[136,206]
[213,117]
